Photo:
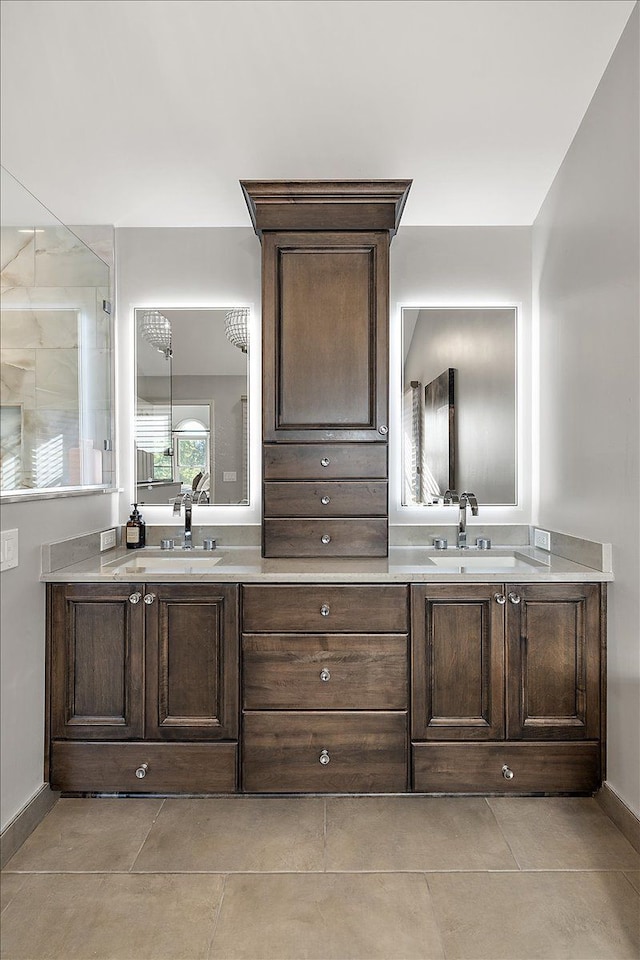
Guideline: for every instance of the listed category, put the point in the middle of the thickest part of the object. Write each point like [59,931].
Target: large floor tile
[414,833]
[88,835]
[236,834]
[111,917]
[326,917]
[550,916]
[562,833]
[10,883]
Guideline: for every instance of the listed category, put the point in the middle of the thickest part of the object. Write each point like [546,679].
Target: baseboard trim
[24,823]
[617,810]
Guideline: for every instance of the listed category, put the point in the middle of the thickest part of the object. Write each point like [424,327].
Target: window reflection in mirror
[191,405]
[459,403]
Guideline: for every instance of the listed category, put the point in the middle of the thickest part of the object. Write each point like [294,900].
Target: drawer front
[325,461]
[325,538]
[364,753]
[171,767]
[329,498]
[478,767]
[316,672]
[325,608]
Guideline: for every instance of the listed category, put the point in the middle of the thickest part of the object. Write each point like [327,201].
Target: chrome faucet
[188,504]
[465,500]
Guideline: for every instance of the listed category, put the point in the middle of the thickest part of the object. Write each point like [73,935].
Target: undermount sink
[462,562]
[170,561]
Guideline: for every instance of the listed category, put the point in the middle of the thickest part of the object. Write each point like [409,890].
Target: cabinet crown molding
[325,204]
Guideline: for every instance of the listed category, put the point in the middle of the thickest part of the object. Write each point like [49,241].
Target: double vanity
[457,671]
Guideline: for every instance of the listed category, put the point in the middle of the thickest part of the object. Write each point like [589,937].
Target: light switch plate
[9,549]
[542,539]
[229,476]
[107,539]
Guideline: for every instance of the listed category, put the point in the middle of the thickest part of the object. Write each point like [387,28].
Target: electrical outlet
[9,549]
[107,539]
[542,539]
[229,476]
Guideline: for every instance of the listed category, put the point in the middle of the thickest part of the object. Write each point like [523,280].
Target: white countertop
[403,565]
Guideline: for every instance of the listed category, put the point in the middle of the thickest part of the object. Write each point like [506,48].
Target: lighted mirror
[192,428]
[56,413]
[459,412]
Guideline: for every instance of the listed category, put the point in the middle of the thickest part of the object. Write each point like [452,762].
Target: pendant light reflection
[156,330]
[236,328]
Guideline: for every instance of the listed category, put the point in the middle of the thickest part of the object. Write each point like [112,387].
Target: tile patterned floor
[312,878]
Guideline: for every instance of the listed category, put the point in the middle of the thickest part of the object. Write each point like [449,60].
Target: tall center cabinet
[325,319]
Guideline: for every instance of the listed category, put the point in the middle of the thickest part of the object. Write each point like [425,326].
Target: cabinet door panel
[553,649]
[458,660]
[96,661]
[325,307]
[192,655]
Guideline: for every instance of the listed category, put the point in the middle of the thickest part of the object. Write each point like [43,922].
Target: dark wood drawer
[325,538]
[366,752]
[325,608]
[477,767]
[329,498]
[172,767]
[306,461]
[315,672]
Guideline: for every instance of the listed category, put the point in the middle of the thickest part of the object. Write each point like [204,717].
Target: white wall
[586,296]
[182,268]
[23,636]
[462,267]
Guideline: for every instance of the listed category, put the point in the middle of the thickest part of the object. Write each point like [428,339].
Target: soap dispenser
[135,536]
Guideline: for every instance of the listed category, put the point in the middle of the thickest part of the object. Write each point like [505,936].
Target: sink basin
[488,562]
[178,561]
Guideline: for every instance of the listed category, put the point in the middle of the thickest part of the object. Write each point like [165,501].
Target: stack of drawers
[325,500]
[325,680]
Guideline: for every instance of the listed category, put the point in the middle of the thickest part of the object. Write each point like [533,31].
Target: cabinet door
[553,661]
[192,661]
[457,644]
[325,336]
[96,642]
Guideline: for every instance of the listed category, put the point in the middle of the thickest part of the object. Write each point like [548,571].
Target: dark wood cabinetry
[512,663]
[325,279]
[142,662]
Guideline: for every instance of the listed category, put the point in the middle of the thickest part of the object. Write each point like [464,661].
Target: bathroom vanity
[371,676]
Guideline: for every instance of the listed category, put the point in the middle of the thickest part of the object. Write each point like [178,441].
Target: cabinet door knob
[325,462]
[507,772]
[325,538]
[324,757]
[141,772]
[325,500]
[325,675]
[499,598]
[135,598]
[325,610]
[514,598]
[383,430]
[149,597]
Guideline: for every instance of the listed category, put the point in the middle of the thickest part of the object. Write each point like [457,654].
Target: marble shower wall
[55,357]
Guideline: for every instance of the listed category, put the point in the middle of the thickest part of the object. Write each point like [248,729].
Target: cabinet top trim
[325,204]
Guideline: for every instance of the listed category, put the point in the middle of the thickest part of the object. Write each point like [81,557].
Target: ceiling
[148,112]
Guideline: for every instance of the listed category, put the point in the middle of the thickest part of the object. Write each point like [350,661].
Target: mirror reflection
[191,405]
[459,403]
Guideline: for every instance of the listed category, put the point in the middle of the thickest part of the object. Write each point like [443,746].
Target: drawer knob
[141,772]
[325,462]
[500,598]
[514,598]
[135,598]
[149,598]
[324,758]
[325,538]
[325,610]
[325,676]
[325,500]
[507,772]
